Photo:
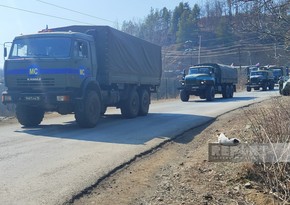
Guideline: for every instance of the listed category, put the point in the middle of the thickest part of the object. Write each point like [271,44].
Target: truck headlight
[6,98]
[62,98]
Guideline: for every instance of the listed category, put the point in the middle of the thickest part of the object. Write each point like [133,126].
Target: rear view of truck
[81,70]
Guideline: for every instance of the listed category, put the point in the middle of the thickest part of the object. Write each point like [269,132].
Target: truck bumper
[194,89]
[258,85]
[37,99]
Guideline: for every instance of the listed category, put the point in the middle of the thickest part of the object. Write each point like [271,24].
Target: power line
[42,14]
[44,2]
[223,52]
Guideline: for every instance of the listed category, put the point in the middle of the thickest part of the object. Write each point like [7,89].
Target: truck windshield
[277,72]
[44,47]
[258,73]
[199,70]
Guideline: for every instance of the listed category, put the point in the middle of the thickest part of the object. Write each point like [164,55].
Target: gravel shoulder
[179,172]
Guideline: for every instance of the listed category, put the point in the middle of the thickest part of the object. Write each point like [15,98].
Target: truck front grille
[192,82]
[43,82]
[254,80]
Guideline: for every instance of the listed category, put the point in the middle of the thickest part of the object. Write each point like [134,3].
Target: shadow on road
[189,135]
[114,129]
[222,100]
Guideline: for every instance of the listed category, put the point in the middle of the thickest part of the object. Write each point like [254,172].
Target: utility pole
[199,48]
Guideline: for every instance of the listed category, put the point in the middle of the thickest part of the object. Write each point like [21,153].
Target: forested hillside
[238,32]
[241,32]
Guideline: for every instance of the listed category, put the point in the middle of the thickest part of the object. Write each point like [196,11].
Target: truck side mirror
[5,52]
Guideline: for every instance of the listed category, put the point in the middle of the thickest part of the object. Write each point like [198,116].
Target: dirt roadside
[179,172]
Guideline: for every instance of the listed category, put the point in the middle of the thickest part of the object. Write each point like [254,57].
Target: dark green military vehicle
[261,79]
[206,80]
[81,70]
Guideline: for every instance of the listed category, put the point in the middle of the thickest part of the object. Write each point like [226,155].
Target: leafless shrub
[271,125]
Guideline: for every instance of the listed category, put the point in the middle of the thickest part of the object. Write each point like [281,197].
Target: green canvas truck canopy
[122,58]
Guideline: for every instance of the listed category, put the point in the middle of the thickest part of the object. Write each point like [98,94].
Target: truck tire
[184,97]
[271,86]
[130,107]
[231,91]
[226,91]
[249,88]
[29,116]
[285,93]
[144,102]
[202,96]
[210,93]
[88,114]
[264,87]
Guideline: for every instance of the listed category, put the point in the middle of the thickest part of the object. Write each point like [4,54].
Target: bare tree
[268,18]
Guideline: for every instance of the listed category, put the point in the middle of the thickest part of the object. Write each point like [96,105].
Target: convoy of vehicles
[81,70]
[85,69]
[265,77]
[206,80]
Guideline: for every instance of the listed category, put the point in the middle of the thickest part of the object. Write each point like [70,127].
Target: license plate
[32,98]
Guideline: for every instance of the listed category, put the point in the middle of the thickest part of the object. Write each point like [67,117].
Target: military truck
[278,72]
[206,80]
[261,79]
[80,70]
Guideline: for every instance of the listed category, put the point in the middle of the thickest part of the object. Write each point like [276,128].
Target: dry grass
[271,125]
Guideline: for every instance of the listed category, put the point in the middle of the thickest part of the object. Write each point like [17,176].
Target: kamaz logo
[33,71]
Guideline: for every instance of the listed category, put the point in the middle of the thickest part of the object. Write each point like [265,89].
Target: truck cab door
[82,56]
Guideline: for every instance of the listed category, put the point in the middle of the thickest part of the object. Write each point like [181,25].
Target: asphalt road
[57,160]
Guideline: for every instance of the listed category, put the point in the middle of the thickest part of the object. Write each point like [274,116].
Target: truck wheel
[130,107]
[29,116]
[184,96]
[144,102]
[285,93]
[88,114]
[226,91]
[249,89]
[264,87]
[231,87]
[271,86]
[210,93]
[202,96]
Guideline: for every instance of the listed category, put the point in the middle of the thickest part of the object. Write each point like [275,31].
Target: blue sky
[24,16]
